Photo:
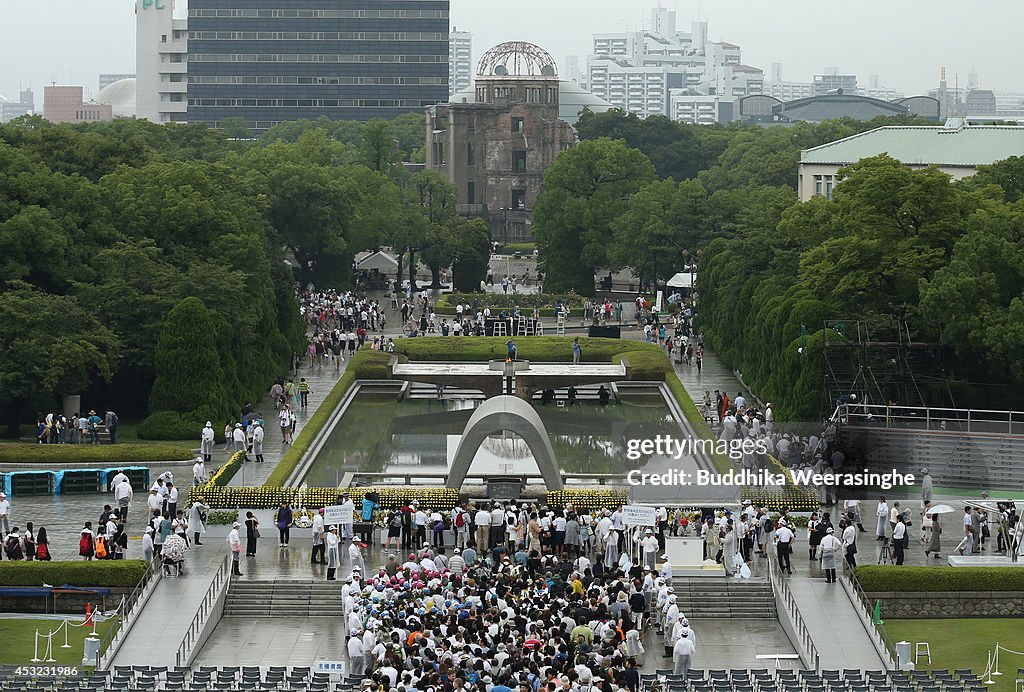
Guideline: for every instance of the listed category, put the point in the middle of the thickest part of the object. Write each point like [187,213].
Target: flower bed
[794,497]
[588,499]
[271,497]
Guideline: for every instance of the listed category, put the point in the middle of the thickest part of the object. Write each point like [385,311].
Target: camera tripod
[885,552]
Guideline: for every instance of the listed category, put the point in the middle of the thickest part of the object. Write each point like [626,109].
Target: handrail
[220,581]
[128,613]
[784,595]
[879,637]
[933,419]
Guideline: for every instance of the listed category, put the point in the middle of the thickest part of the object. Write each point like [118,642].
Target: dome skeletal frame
[517,59]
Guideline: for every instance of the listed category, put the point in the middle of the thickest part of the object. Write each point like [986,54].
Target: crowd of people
[79,428]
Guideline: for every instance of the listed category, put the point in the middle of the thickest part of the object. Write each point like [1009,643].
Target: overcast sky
[903,41]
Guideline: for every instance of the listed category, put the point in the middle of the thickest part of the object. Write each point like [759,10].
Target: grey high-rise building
[273,61]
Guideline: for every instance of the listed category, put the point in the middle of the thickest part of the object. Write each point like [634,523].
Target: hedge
[366,364]
[125,454]
[104,573]
[645,365]
[875,578]
[541,349]
[170,425]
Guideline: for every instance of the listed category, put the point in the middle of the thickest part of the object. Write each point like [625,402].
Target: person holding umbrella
[934,538]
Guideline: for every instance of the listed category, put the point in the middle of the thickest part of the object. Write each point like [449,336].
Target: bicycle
[410,328]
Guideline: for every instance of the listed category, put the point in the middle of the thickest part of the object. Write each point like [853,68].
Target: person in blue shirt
[512,351]
[369,505]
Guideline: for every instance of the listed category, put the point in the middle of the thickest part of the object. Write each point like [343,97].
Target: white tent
[381,261]
[682,280]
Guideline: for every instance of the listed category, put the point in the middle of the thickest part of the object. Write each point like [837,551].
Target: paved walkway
[712,375]
[834,625]
[321,380]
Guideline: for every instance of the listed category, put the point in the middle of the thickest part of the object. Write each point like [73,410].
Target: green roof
[969,145]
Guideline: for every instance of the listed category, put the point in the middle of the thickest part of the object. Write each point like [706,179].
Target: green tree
[472,258]
[50,345]
[189,378]
[380,150]
[585,191]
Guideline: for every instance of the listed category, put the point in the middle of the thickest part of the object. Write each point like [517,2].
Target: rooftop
[967,145]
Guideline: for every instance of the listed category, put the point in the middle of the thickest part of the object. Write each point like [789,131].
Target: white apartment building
[460,61]
[161,62]
[643,71]
[701,110]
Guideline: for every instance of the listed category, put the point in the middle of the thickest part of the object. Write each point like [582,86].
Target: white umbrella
[939,509]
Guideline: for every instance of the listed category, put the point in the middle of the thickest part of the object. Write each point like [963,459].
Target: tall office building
[645,71]
[460,61]
[833,82]
[161,67]
[268,61]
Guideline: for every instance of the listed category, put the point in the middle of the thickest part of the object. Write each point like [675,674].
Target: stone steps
[725,598]
[284,598]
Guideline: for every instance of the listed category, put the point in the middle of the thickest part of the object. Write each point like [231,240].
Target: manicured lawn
[127,453]
[965,643]
[18,637]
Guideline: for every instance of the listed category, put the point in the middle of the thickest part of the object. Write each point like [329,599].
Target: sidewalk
[834,624]
[712,375]
[321,380]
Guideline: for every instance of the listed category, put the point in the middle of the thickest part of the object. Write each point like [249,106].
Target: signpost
[331,667]
[335,514]
[639,515]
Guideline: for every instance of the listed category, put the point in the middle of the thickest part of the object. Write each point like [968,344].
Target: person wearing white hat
[206,441]
[199,471]
[239,438]
[829,546]
[649,544]
[235,543]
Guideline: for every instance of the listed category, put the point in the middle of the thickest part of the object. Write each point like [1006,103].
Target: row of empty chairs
[847,680]
[183,679]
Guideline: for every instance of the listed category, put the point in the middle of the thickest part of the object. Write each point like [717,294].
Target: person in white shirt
[123,495]
[882,514]
[239,439]
[356,659]
[198,472]
[769,417]
[148,549]
[850,544]
[118,478]
[332,540]
[319,545]
[355,555]
[235,543]
[456,565]
[206,441]
[257,441]
[899,536]
[649,544]
[830,546]
[682,653]
[852,508]
[483,529]
[784,537]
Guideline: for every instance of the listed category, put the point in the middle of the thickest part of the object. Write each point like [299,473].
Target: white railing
[195,629]
[784,601]
[931,419]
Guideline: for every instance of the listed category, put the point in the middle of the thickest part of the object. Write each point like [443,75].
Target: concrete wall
[72,604]
[951,604]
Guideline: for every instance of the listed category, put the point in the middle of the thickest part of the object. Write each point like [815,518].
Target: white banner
[639,515]
[335,514]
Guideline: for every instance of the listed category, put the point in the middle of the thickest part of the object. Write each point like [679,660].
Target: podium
[686,555]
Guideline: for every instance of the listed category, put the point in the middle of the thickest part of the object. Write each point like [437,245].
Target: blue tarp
[5,483]
[96,590]
[25,591]
[105,474]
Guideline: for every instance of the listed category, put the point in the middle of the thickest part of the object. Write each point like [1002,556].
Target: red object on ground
[88,613]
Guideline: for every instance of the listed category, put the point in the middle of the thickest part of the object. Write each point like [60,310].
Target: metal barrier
[133,603]
[932,419]
[220,582]
[879,637]
[784,600]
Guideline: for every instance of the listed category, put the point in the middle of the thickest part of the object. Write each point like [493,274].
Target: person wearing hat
[235,544]
[206,441]
[257,440]
[197,519]
[94,423]
[331,539]
[238,436]
[682,653]
[355,554]
[828,548]
[649,546]
[148,549]
[926,487]
[348,510]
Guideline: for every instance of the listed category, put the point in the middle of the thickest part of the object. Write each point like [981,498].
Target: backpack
[460,519]
[101,547]
[396,521]
[85,545]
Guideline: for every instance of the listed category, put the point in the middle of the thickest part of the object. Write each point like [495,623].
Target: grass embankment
[18,637]
[965,643]
[126,454]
